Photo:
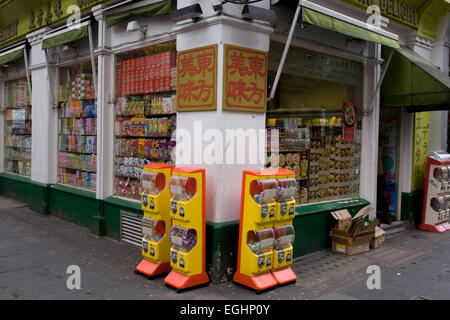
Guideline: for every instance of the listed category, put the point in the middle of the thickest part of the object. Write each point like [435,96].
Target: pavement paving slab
[35,251]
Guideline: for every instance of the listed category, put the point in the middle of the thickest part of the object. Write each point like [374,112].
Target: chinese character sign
[197,79]
[420,150]
[245,79]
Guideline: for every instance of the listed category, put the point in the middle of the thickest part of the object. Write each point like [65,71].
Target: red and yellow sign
[245,79]
[197,79]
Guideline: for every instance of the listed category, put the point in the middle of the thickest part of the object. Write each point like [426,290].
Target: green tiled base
[33,193]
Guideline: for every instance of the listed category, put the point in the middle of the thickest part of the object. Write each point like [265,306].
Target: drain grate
[130,228]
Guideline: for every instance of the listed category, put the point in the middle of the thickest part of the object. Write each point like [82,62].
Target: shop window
[317,114]
[77,127]
[145,114]
[17,127]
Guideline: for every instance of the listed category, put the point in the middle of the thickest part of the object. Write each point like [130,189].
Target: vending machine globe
[156,220]
[436,210]
[256,233]
[283,228]
[187,235]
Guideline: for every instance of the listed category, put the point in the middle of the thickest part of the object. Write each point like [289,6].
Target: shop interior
[316,112]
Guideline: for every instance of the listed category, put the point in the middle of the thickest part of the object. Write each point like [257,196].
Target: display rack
[311,145]
[17,128]
[77,128]
[145,114]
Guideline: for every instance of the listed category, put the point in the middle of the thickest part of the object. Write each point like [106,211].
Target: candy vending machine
[156,221]
[187,235]
[436,206]
[284,230]
[256,233]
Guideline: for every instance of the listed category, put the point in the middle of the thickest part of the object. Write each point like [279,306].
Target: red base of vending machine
[285,276]
[181,281]
[153,269]
[439,228]
[262,282]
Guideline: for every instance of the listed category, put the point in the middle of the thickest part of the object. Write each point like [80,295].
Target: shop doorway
[388,157]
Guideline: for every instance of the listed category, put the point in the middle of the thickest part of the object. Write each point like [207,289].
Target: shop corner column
[215,128]
[105,108]
[370,125]
[44,114]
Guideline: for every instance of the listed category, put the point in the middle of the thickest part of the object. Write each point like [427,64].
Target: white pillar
[223,181]
[370,126]
[44,116]
[105,109]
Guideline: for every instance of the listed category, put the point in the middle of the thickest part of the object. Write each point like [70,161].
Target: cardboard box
[350,250]
[379,238]
[344,219]
[352,235]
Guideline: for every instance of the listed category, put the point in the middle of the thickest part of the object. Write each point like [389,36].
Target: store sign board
[397,10]
[420,149]
[52,12]
[308,64]
[197,79]
[418,14]
[245,79]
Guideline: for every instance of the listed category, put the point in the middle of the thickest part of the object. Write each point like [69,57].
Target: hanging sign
[244,79]
[420,149]
[197,79]
[349,121]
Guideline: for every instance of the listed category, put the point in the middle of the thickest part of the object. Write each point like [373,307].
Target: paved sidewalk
[35,251]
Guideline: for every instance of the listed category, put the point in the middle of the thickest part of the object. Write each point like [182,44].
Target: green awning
[413,82]
[65,37]
[330,23]
[12,56]
[151,10]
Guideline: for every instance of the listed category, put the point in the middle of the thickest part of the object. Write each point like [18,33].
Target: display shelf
[74,169]
[77,152]
[77,132]
[147,93]
[150,137]
[145,115]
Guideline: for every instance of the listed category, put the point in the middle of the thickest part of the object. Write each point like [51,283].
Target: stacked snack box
[17,127]
[77,128]
[325,166]
[146,74]
[145,114]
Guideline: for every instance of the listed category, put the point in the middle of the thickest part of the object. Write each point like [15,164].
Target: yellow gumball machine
[187,235]
[284,230]
[156,221]
[256,233]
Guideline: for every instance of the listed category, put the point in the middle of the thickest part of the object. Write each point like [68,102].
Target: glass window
[17,127]
[77,127]
[317,115]
[145,114]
